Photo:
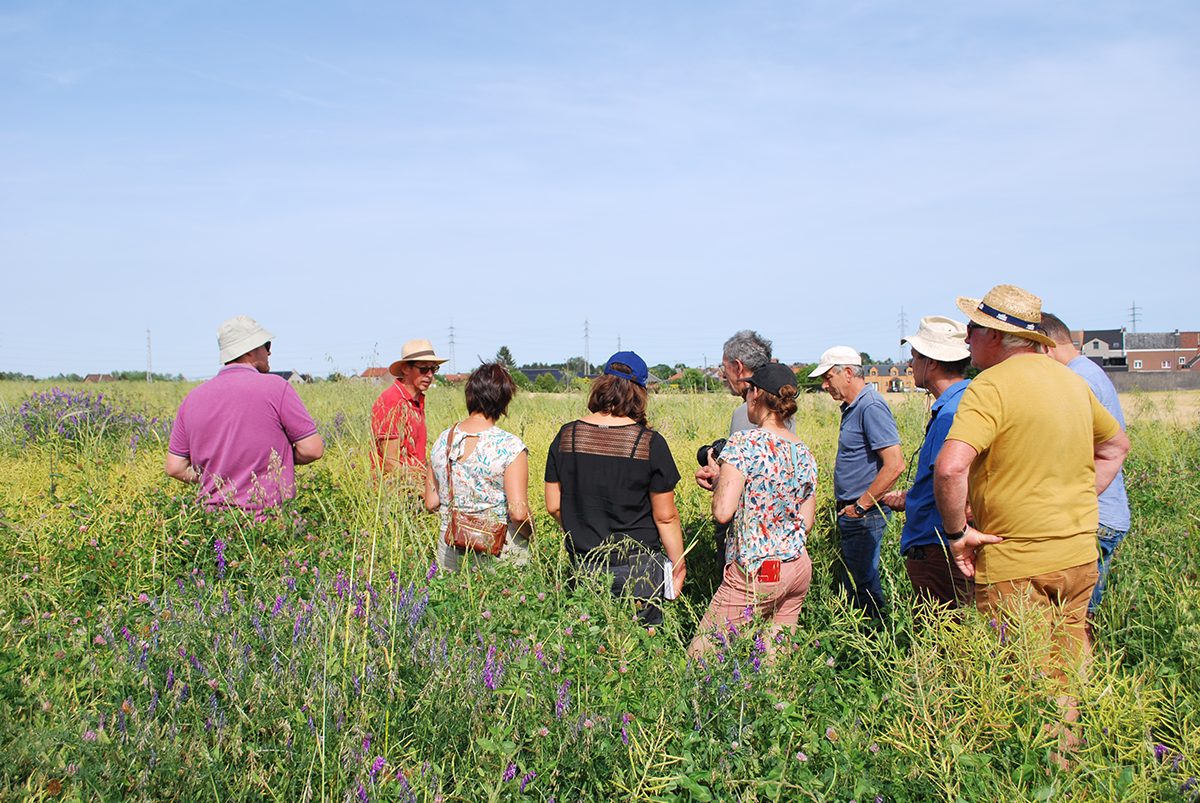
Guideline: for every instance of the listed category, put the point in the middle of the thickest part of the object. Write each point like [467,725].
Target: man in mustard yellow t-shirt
[1030,448]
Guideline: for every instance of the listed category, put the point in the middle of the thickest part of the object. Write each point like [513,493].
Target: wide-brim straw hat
[940,338]
[419,350]
[1008,308]
[240,335]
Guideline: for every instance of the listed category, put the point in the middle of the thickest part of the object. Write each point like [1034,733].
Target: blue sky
[358,175]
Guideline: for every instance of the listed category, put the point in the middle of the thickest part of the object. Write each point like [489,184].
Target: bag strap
[450,468]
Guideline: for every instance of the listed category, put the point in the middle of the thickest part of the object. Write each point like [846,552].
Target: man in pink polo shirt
[241,434]
[398,415]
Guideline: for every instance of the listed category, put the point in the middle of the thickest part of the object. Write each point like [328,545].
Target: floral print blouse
[780,476]
[478,478]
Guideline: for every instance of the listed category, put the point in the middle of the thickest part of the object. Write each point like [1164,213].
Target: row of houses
[1140,352]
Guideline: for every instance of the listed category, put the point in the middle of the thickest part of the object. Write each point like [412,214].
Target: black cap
[772,377]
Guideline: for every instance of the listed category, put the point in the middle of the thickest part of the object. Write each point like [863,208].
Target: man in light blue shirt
[1114,504]
[869,461]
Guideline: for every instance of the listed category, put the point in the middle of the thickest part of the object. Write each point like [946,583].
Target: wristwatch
[859,510]
[955,536]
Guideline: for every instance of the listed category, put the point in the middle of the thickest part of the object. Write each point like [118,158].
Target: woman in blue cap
[610,480]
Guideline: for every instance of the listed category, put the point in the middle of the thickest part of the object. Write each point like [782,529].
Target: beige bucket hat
[419,350]
[1008,308]
[940,338]
[239,335]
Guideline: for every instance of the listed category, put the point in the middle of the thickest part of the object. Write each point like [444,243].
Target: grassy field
[319,656]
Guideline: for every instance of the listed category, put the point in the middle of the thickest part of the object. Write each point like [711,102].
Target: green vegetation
[150,651]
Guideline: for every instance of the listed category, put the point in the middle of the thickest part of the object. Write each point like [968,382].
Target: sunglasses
[426,369]
[267,346]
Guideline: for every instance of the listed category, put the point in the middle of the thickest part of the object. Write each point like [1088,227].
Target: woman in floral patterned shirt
[491,470]
[766,486]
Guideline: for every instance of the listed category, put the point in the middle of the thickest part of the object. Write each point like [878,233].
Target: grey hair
[750,347]
[1015,342]
[855,370]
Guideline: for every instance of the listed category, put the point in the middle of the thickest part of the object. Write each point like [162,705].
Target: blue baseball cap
[638,372]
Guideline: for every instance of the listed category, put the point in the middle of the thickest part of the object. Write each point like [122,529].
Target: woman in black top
[609,476]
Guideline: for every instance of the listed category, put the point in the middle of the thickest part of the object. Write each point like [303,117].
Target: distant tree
[521,380]
[805,383]
[545,383]
[336,376]
[576,366]
[866,358]
[14,376]
[505,358]
[692,379]
[663,371]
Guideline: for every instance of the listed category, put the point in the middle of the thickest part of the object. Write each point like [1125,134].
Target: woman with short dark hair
[610,483]
[491,469]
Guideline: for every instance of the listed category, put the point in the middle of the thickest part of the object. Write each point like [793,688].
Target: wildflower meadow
[152,651]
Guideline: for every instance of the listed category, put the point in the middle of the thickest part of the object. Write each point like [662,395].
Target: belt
[842,503]
[924,551]
[792,559]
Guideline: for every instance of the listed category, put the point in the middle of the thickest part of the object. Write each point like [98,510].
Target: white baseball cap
[239,335]
[838,355]
[940,338]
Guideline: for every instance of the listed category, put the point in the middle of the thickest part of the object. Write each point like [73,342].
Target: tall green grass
[324,661]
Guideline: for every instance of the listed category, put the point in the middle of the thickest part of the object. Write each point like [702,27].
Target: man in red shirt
[398,415]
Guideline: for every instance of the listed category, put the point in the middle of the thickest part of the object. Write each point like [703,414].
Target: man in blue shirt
[1114,504]
[939,362]
[869,461]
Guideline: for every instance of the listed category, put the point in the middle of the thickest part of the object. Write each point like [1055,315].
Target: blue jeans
[858,572]
[1108,540]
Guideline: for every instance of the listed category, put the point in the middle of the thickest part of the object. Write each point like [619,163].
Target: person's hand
[894,499]
[678,573]
[964,549]
[848,512]
[706,476]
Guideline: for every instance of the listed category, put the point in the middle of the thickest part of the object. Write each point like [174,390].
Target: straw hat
[939,338]
[240,335]
[1008,308]
[413,351]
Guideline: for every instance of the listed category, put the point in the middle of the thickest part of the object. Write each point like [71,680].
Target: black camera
[713,448]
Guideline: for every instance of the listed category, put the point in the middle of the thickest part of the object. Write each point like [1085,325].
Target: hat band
[417,355]
[1008,318]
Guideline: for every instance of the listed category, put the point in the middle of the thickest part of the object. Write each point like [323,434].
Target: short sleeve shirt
[922,521]
[1035,425]
[606,476]
[867,426]
[1114,503]
[396,414]
[479,477]
[238,429]
[780,476]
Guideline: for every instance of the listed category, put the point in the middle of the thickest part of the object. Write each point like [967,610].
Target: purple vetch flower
[433,570]
[525,779]
[376,768]
[564,699]
[492,669]
[1160,751]
[219,549]
[366,744]
[170,678]
[89,736]
[362,794]
[510,772]
[277,607]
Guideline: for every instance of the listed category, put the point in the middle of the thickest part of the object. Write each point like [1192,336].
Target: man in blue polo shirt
[1114,504]
[939,362]
[869,461]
